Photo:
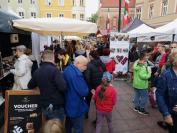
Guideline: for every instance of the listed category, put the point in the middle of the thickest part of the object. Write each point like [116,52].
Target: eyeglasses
[172,47]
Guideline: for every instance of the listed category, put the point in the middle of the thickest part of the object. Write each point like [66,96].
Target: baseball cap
[107,76]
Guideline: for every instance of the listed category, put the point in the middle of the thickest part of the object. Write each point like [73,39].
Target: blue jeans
[141,98]
[56,113]
[77,123]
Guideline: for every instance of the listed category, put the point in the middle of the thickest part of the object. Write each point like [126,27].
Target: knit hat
[107,76]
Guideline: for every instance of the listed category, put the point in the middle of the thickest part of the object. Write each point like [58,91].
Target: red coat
[109,100]
[110,66]
[163,60]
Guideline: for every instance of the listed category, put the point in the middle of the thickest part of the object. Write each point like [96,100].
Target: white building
[78,9]
[3,4]
[24,8]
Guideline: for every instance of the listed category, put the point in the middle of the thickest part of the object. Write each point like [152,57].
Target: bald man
[76,106]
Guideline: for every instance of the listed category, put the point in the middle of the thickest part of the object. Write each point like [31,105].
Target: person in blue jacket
[75,102]
[167,94]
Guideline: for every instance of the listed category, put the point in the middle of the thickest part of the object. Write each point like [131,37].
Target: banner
[119,47]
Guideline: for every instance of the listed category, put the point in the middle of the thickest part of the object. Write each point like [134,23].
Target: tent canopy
[6,22]
[72,38]
[142,29]
[56,26]
[132,25]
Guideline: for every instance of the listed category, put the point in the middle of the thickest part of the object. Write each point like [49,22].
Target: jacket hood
[105,59]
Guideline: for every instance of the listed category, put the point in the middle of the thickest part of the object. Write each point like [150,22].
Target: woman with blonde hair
[53,126]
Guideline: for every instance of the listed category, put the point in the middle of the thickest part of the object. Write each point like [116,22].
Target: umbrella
[56,26]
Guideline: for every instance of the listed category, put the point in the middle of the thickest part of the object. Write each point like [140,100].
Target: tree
[94,18]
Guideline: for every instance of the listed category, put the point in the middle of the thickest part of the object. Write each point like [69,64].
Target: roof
[115,3]
[133,24]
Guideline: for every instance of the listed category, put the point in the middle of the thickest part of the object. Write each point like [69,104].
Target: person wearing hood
[109,63]
[22,69]
[94,73]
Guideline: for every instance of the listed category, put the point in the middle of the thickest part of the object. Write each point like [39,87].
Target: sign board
[22,111]
[119,47]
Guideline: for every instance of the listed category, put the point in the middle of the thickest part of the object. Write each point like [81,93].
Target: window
[74,2]
[151,10]
[19,1]
[49,15]
[74,15]
[138,12]
[164,7]
[21,14]
[33,14]
[81,16]
[32,1]
[61,15]
[114,22]
[81,2]
[48,2]
[61,2]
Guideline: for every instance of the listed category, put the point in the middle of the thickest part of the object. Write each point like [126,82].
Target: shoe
[86,116]
[162,125]
[143,112]
[136,109]
[94,123]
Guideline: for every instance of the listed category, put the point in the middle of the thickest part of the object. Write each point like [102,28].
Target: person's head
[142,57]
[162,49]
[106,80]
[173,58]
[20,50]
[61,54]
[81,63]
[53,126]
[48,56]
[94,55]
[159,44]
[173,46]
[106,52]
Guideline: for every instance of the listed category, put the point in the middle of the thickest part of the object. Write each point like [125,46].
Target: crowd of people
[69,78]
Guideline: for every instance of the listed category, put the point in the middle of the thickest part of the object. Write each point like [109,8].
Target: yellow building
[156,12]
[55,8]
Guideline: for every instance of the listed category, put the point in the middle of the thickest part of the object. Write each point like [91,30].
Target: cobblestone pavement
[125,120]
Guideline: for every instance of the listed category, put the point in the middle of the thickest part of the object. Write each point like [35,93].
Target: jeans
[77,123]
[141,98]
[100,119]
[173,129]
[55,113]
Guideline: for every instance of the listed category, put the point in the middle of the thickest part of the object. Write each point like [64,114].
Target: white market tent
[142,29]
[55,26]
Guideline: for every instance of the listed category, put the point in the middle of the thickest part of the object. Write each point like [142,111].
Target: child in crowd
[140,83]
[105,98]
[53,126]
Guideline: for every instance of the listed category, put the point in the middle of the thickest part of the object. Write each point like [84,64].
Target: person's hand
[156,74]
[12,70]
[175,108]
[168,119]
[93,92]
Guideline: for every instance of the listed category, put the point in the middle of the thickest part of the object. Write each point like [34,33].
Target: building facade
[78,9]
[24,8]
[3,5]
[156,12]
[111,8]
[55,8]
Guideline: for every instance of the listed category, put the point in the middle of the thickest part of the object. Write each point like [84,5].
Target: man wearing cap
[22,71]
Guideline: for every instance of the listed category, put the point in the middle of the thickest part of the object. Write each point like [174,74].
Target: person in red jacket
[105,98]
[109,63]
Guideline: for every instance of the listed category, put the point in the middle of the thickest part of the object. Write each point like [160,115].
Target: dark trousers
[173,129]
[77,123]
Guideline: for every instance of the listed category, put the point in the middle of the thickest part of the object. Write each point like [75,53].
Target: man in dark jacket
[52,87]
[94,74]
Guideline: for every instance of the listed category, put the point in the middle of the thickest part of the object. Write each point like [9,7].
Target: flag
[108,23]
[126,11]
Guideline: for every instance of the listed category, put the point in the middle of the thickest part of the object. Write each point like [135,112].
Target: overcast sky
[91,7]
